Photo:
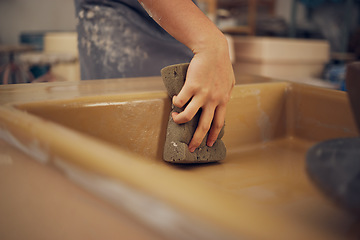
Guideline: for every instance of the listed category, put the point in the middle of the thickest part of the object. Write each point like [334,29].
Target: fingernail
[192,149]
[174,114]
[211,143]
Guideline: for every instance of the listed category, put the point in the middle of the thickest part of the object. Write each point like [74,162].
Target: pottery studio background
[335,21]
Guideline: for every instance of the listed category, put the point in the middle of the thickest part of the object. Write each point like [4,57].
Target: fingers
[217,124]
[208,88]
[202,128]
[212,117]
[189,112]
[183,97]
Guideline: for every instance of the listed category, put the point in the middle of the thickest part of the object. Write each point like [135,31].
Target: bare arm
[210,77]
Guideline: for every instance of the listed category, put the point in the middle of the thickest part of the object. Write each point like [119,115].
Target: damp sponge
[178,136]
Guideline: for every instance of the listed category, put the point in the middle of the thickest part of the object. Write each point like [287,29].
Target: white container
[63,42]
[281,58]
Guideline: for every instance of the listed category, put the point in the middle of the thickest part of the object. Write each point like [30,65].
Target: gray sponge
[178,136]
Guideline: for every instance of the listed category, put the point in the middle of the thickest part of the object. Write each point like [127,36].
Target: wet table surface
[41,202]
[38,202]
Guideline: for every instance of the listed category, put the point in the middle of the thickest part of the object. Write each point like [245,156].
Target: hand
[209,81]
[210,77]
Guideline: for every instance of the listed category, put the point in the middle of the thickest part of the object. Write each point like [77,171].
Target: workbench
[40,199]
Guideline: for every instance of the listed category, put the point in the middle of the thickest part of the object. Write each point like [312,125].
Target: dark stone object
[353,86]
[334,166]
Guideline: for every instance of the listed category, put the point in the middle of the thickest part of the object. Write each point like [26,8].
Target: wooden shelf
[238,30]
[252,7]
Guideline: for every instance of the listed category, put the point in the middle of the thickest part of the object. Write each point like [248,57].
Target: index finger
[183,97]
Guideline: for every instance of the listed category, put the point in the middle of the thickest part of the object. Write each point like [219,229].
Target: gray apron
[117,39]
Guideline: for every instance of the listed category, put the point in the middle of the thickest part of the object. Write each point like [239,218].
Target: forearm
[184,21]
[210,77]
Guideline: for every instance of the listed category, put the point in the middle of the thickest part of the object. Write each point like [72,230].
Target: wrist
[214,43]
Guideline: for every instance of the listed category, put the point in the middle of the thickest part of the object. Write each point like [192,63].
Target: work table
[13,93]
[39,201]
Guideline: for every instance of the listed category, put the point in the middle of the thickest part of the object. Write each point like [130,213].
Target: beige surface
[10,94]
[63,43]
[281,50]
[66,90]
[6,49]
[38,202]
[261,189]
[282,58]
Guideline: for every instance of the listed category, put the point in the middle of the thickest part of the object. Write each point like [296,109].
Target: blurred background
[38,38]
